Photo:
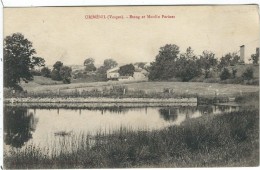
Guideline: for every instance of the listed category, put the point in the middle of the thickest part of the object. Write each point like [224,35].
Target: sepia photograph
[159,86]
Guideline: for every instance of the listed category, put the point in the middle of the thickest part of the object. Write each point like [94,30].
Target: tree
[65,73]
[19,60]
[46,72]
[140,64]
[186,69]
[164,68]
[38,61]
[229,59]
[127,70]
[189,54]
[89,64]
[110,63]
[255,57]
[55,73]
[57,66]
[225,74]
[207,61]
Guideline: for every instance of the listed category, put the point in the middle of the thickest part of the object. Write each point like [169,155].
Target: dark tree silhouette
[18,126]
[19,60]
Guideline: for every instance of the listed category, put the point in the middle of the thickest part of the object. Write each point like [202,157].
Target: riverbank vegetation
[221,140]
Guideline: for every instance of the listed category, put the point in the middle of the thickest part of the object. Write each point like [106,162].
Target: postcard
[167,86]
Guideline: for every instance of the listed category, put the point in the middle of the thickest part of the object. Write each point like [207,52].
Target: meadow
[140,88]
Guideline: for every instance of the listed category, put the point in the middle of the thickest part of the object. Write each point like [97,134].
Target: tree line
[170,63]
[20,60]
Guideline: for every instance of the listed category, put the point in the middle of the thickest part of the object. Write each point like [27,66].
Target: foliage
[65,73]
[207,61]
[229,59]
[108,64]
[89,64]
[38,61]
[46,72]
[248,74]
[225,74]
[55,74]
[126,70]
[255,57]
[140,65]
[57,66]
[19,59]
[186,69]
[164,66]
[234,72]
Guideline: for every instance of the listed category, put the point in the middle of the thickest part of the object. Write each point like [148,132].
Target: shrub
[248,74]
[46,72]
[225,74]
[55,75]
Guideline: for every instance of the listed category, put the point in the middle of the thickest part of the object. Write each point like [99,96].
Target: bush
[55,75]
[225,74]
[248,74]
[46,72]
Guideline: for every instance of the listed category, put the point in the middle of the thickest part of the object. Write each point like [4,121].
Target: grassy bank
[221,140]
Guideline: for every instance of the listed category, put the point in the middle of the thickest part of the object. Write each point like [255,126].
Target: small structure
[125,78]
[113,73]
[139,74]
[242,53]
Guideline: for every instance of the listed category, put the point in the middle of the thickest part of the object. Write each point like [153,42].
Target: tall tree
[207,61]
[163,68]
[19,59]
[110,63]
[55,73]
[89,65]
[65,73]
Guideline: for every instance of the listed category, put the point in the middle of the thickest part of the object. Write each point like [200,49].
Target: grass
[221,140]
[137,89]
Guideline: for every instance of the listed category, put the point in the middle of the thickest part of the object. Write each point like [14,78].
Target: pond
[42,127]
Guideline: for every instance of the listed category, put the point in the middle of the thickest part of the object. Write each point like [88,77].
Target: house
[139,74]
[125,78]
[113,73]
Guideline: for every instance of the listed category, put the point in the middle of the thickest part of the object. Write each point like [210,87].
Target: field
[199,88]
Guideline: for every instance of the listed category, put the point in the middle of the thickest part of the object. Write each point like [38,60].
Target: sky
[64,34]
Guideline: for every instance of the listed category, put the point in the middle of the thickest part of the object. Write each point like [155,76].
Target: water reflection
[43,126]
[18,126]
[168,114]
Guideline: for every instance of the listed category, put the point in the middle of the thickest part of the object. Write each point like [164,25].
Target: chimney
[257,51]
[242,53]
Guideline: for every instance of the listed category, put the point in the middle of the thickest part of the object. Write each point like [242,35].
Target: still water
[41,127]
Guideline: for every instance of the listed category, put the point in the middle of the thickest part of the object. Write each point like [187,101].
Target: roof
[113,70]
